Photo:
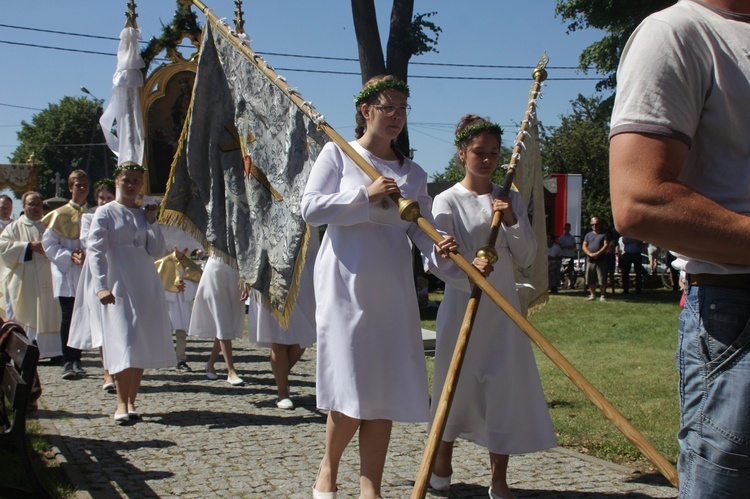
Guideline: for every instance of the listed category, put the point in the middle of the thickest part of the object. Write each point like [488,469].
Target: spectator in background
[653,258]
[567,243]
[595,244]
[630,256]
[554,260]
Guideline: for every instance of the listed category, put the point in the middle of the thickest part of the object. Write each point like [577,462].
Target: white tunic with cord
[218,311]
[122,247]
[371,362]
[499,402]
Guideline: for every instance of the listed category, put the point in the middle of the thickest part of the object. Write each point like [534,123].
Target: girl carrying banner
[371,367]
[498,403]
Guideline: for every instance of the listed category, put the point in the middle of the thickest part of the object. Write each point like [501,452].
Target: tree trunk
[371,60]
[398,50]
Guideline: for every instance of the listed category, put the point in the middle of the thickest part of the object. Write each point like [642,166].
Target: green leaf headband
[128,166]
[105,181]
[375,88]
[473,130]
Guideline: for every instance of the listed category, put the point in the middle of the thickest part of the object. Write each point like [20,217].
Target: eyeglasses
[390,110]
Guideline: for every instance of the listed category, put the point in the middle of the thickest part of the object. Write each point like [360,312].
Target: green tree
[62,138]
[617,18]
[409,35]
[581,145]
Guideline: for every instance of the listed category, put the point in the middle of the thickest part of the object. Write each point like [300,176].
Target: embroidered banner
[529,183]
[243,162]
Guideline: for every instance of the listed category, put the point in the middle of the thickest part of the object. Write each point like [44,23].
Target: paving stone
[204,438]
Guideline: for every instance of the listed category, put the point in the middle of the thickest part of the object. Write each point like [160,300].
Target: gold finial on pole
[540,74]
[239,22]
[130,15]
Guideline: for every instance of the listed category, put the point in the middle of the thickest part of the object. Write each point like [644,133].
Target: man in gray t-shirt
[679,177]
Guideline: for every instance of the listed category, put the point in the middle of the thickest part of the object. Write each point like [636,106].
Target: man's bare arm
[648,202]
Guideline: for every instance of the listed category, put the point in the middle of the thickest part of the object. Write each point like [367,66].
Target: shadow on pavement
[106,472]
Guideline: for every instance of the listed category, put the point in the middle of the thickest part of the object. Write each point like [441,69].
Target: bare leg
[213,356]
[295,353]
[443,459]
[123,388]
[107,377]
[280,367]
[283,358]
[135,386]
[226,351]
[128,383]
[374,437]
[499,465]
[339,432]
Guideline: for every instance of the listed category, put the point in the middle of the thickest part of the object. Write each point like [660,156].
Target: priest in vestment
[26,278]
[6,210]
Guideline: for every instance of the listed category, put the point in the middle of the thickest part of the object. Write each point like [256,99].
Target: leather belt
[735,281]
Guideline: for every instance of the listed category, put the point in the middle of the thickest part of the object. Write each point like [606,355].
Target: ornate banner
[20,177]
[243,162]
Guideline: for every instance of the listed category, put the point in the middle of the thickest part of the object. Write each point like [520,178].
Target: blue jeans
[713,360]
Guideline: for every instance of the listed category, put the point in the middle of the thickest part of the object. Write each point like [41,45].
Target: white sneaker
[601,298]
[441,483]
[591,298]
[495,496]
[235,381]
[285,403]
[211,375]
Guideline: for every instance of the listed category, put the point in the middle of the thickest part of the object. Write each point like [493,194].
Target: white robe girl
[499,402]
[218,311]
[122,249]
[371,361]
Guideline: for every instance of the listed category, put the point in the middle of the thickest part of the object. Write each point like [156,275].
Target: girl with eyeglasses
[371,366]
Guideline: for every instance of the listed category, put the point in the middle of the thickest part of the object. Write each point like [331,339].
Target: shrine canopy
[18,177]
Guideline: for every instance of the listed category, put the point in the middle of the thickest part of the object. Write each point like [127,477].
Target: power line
[322,71]
[298,56]
[57,48]
[21,107]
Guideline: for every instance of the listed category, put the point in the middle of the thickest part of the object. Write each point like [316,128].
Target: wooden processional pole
[409,211]
[459,353]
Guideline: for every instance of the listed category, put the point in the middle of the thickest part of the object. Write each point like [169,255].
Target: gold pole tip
[488,253]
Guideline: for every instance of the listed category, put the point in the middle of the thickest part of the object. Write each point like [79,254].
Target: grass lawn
[13,474]
[625,348]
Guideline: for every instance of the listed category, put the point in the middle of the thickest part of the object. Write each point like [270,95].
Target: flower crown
[473,130]
[373,89]
[105,181]
[130,165]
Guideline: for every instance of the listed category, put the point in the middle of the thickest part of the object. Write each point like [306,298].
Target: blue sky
[474,32]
